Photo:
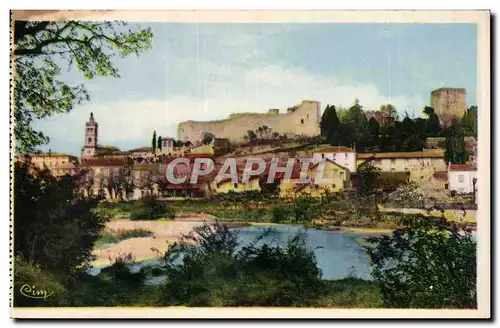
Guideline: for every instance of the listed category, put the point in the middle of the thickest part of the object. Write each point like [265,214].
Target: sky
[207,71]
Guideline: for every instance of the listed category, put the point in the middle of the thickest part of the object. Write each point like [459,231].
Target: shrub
[430,263]
[53,227]
[280,213]
[151,209]
[214,271]
[111,237]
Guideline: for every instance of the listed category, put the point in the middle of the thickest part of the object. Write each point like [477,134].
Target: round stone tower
[449,103]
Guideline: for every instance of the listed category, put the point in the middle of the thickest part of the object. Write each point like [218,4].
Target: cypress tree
[153,142]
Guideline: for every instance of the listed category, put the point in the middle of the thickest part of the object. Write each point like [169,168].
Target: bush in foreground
[430,263]
[214,271]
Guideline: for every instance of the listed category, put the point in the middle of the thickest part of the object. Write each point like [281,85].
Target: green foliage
[368,174]
[469,122]
[455,152]
[53,226]
[112,237]
[153,142]
[214,272]
[151,209]
[30,278]
[41,46]
[208,138]
[430,263]
[302,209]
[389,111]
[280,214]
[158,144]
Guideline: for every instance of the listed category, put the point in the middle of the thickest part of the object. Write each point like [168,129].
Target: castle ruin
[300,120]
[448,104]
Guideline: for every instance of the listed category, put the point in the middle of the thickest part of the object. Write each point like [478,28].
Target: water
[337,254]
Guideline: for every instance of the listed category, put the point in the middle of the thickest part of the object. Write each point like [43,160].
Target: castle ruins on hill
[448,104]
[300,120]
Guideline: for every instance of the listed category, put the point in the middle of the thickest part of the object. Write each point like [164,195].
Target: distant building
[421,164]
[58,164]
[343,156]
[91,134]
[380,117]
[462,178]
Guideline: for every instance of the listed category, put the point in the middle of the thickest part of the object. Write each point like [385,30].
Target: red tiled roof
[339,149]
[440,175]
[427,153]
[103,161]
[462,167]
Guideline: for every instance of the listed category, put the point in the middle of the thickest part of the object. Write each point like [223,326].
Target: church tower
[90,145]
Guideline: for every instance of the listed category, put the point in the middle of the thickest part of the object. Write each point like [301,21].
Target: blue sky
[207,71]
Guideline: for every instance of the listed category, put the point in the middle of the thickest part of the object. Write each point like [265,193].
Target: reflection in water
[337,254]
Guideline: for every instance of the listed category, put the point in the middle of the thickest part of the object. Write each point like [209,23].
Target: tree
[331,126]
[153,142]
[54,227]
[368,174]
[430,263]
[252,136]
[389,111]
[356,117]
[208,138]
[455,152]
[41,46]
[433,127]
[158,145]
[469,121]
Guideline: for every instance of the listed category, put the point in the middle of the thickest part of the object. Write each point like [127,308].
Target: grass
[350,293]
[113,237]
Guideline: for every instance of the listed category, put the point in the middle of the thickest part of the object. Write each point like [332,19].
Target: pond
[337,253]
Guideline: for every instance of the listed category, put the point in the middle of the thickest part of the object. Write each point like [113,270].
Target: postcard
[250,164]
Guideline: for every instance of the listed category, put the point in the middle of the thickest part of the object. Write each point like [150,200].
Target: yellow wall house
[337,176]
[227,185]
[420,164]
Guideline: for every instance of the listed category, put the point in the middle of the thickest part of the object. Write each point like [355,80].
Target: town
[124,175]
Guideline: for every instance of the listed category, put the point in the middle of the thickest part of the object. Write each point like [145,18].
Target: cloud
[129,123]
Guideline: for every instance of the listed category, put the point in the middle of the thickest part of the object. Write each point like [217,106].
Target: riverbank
[167,232]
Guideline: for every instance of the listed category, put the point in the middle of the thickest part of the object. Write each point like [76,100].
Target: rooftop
[427,153]
[462,167]
[336,149]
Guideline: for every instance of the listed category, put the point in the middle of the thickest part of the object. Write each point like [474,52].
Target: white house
[341,155]
[462,178]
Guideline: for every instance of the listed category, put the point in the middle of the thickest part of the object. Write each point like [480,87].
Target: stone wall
[302,119]
[449,103]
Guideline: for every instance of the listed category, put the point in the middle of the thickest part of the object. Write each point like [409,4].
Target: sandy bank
[164,233]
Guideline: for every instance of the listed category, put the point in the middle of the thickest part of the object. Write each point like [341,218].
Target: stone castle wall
[449,103]
[302,119]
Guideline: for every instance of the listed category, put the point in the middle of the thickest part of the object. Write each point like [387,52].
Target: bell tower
[90,144]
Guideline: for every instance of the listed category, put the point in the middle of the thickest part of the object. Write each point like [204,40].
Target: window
[235,185]
[322,155]
[460,178]
[302,121]
[346,154]
[341,175]
[90,140]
